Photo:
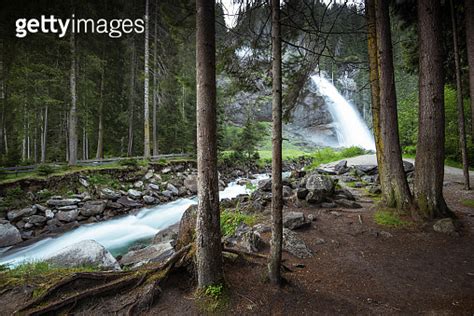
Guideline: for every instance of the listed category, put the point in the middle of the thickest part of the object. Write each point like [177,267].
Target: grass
[213,299]
[468,203]
[231,220]
[447,162]
[390,218]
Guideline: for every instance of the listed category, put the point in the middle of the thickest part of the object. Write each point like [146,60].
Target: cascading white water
[350,127]
[116,235]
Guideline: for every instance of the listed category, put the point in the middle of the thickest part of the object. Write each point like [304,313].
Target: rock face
[187,227]
[86,252]
[9,235]
[294,220]
[295,245]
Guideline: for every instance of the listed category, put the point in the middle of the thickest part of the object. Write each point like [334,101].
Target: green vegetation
[104,180]
[468,203]
[45,170]
[231,220]
[213,299]
[326,155]
[390,218]
[130,162]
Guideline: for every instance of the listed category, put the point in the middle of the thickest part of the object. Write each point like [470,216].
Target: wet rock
[134,194]
[93,208]
[294,245]
[67,216]
[149,199]
[170,187]
[128,202]
[152,253]
[62,202]
[87,252]
[187,227]
[445,226]
[9,235]
[16,215]
[168,234]
[295,220]
[191,183]
[109,194]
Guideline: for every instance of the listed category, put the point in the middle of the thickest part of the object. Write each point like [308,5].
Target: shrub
[45,170]
[130,162]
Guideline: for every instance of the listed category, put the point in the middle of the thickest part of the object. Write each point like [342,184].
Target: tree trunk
[131,101]
[395,190]
[274,265]
[155,82]
[100,135]
[44,134]
[429,171]
[374,80]
[146,114]
[73,111]
[469,14]
[460,105]
[208,234]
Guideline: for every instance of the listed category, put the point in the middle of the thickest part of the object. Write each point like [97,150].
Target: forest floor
[358,267]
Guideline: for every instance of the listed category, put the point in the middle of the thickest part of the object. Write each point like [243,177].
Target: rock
[154,187]
[40,207]
[191,183]
[152,253]
[16,215]
[62,202]
[320,183]
[49,214]
[251,241]
[28,226]
[93,208]
[67,216]
[172,189]
[301,193]
[294,245]
[9,235]
[295,220]
[36,220]
[326,171]
[311,217]
[287,191]
[128,202]
[314,197]
[341,167]
[84,182]
[166,170]
[328,205]
[187,227]
[347,203]
[86,252]
[368,179]
[445,226]
[319,241]
[261,228]
[375,189]
[114,205]
[367,169]
[265,185]
[168,234]
[67,208]
[149,199]
[138,184]
[109,194]
[182,191]
[134,194]
[408,166]
[149,174]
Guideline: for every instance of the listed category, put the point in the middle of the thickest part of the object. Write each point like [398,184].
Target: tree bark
[208,234]
[131,101]
[146,114]
[274,265]
[100,134]
[469,14]
[395,190]
[460,105]
[44,134]
[429,171]
[155,82]
[73,111]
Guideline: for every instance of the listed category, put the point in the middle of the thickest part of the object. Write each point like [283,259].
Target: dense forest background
[35,95]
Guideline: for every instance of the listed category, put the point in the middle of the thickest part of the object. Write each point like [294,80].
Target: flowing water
[350,127]
[116,235]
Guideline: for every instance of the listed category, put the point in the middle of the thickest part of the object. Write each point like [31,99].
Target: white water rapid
[116,235]
[350,127]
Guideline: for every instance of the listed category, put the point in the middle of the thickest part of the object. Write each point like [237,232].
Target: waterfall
[351,130]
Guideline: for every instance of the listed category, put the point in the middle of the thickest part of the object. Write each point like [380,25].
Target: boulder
[367,169]
[149,199]
[138,184]
[149,174]
[62,202]
[93,208]
[167,234]
[294,245]
[445,226]
[67,208]
[84,182]
[295,220]
[67,216]
[347,203]
[301,193]
[251,241]
[16,215]
[265,185]
[408,166]
[168,194]
[320,183]
[191,183]
[40,208]
[341,167]
[86,252]
[9,235]
[36,220]
[187,227]
[134,194]
[152,253]
[109,194]
[127,202]
[49,214]
[287,191]
[172,189]
[314,197]
[154,187]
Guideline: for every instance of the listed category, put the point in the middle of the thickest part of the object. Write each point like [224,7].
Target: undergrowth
[390,218]
[231,220]
[468,203]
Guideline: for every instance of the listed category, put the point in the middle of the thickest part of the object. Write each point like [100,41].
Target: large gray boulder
[295,220]
[294,245]
[187,227]
[320,183]
[16,215]
[84,253]
[9,235]
[191,183]
[92,208]
[153,253]
[109,194]
[67,216]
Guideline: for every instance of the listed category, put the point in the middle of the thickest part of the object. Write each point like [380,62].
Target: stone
[36,220]
[328,205]
[294,245]
[138,184]
[16,215]
[109,194]
[172,189]
[40,208]
[375,189]
[28,226]
[9,235]
[320,183]
[311,217]
[67,216]
[149,199]
[341,167]
[261,228]
[128,202]
[62,202]
[287,191]
[84,182]
[114,205]
[149,174]
[154,187]
[49,214]
[445,226]
[168,194]
[314,197]
[191,183]
[301,193]
[168,234]
[408,166]
[187,227]
[251,241]
[93,208]
[347,203]
[166,170]
[367,169]
[67,207]
[134,194]
[326,171]
[265,185]
[152,253]
[295,220]
[86,252]
[368,179]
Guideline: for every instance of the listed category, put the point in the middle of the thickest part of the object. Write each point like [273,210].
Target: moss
[390,218]
[468,203]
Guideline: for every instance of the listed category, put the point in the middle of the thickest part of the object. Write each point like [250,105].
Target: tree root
[54,299]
